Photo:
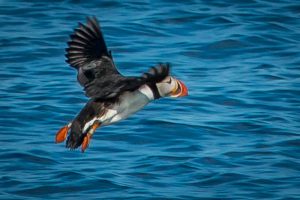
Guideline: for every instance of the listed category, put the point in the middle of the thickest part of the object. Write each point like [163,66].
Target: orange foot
[87,138]
[61,135]
[86,142]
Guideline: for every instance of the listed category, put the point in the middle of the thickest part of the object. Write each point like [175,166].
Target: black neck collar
[154,90]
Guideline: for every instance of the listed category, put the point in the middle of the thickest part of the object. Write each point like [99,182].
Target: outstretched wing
[87,52]
[155,75]
[97,73]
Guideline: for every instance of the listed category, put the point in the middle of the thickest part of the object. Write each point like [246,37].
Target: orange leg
[61,135]
[87,138]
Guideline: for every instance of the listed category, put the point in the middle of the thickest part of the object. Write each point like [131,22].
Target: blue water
[236,136]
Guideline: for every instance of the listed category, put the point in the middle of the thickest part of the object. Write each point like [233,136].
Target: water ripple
[236,136]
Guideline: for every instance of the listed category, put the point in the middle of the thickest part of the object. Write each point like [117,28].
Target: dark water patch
[290,143]
[7,181]
[26,157]
[287,164]
[293,8]
[214,180]
[41,191]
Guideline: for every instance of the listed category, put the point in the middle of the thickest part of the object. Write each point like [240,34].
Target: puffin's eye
[168,80]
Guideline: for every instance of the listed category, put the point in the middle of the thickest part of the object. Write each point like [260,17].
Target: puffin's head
[171,87]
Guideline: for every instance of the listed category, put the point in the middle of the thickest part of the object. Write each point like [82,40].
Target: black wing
[87,52]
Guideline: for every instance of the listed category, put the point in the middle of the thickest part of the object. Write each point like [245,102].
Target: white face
[171,87]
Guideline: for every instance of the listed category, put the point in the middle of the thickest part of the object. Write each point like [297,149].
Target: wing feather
[97,73]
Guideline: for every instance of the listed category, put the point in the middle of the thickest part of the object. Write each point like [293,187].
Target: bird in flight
[113,97]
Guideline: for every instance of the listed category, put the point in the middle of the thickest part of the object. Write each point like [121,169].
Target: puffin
[112,96]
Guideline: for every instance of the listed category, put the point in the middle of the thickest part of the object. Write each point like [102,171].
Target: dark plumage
[97,73]
[90,110]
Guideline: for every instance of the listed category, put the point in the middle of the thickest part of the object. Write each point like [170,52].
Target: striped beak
[180,90]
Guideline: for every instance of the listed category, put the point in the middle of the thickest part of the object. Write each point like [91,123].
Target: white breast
[130,102]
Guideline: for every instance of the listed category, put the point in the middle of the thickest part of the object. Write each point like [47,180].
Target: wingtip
[87,42]
[92,19]
[158,72]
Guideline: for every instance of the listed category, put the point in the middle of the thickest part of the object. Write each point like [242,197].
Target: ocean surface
[236,136]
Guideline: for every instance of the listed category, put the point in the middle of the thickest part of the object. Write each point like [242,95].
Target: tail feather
[76,136]
[91,110]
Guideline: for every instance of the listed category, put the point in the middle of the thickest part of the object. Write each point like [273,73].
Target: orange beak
[184,90]
[180,90]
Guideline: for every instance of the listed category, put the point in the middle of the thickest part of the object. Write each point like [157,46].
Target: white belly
[129,103]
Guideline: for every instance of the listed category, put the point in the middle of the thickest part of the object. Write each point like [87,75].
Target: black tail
[87,44]
[76,136]
[90,111]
